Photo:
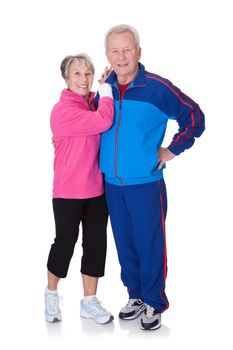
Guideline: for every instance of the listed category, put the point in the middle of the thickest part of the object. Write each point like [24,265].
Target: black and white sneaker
[132,310]
[151,318]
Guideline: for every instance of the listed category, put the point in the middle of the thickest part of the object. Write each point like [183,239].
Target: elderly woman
[78,193]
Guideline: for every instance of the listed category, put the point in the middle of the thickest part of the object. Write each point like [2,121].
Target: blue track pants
[137,214]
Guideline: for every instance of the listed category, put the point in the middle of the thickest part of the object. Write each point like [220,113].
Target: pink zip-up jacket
[76,128]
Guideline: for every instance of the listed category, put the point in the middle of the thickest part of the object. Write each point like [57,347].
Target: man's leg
[122,231]
[147,205]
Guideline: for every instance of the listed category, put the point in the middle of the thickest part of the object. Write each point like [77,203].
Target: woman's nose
[83,78]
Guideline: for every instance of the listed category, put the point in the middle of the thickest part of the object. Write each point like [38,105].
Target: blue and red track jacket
[129,149]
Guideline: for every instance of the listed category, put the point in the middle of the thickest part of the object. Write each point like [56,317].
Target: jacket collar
[139,79]
[71,96]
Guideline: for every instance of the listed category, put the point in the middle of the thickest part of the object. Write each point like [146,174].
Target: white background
[188,42]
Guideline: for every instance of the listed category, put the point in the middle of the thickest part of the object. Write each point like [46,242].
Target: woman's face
[80,78]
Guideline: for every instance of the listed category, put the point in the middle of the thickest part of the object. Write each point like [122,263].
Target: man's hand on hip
[164,155]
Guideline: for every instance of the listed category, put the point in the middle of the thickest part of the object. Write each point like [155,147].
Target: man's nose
[121,55]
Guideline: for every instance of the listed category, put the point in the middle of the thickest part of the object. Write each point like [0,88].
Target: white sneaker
[52,310]
[94,309]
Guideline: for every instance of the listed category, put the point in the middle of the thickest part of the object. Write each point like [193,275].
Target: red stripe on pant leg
[164,248]
[164,237]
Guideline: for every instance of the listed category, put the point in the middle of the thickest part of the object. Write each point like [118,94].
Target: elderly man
[132,161]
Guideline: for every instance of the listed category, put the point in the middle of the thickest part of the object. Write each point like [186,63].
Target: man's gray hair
[122,28]
[68,60]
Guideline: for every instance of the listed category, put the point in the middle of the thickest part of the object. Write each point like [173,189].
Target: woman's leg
[93,260]
[94,243]
[52,281]
[67,214]
[89,285]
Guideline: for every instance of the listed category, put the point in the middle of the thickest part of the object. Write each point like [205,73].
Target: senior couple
[118,133]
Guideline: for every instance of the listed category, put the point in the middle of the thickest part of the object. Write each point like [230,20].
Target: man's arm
[188,115]
[190,119]
[191,123]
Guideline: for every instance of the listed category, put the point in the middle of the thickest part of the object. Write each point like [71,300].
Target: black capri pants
[68,213]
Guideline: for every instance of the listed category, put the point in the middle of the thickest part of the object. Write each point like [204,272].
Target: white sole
[103,320]
[53,319]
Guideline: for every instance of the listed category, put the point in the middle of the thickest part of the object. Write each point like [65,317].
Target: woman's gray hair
[122,28]
[68,60]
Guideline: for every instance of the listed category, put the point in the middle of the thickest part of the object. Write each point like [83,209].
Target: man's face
[80,78]
[123,55]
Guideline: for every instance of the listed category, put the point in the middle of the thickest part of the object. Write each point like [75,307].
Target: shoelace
[149,311]
[131,302]
[52,302]
[98,305]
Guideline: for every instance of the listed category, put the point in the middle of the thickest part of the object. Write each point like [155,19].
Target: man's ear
[139,53]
